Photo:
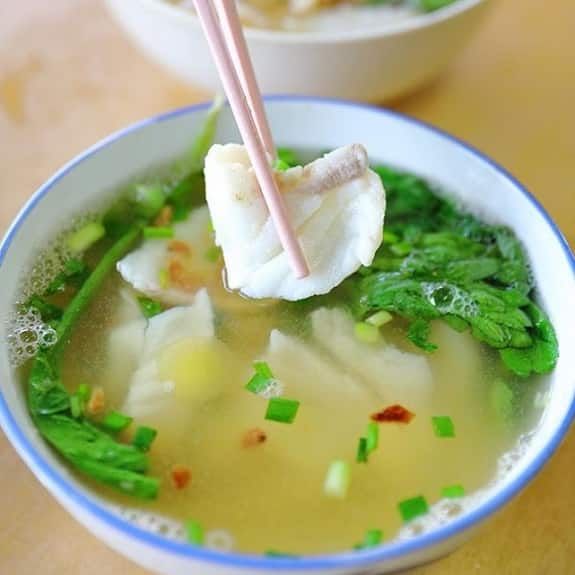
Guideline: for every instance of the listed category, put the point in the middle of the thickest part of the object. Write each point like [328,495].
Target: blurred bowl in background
[372,64]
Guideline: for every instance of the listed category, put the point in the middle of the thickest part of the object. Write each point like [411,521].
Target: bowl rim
[56,481]
[417,22]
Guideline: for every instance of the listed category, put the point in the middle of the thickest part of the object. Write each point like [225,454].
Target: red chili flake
[165,216]
[180,476]
[253,437]
[97,402]
[396,413]
[180,247]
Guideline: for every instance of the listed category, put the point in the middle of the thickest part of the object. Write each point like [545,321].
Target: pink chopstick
[228,15]
[250,134]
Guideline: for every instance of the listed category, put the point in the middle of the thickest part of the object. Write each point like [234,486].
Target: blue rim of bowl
[50,477]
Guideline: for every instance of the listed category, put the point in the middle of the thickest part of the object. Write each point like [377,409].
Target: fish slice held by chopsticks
[333,208]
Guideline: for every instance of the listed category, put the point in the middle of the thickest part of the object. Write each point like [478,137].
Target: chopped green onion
[164,279]
[212,254]
[194,532]
[362,451]
[431,5]
[400,249]
[282,410]
[84,392]
[390,238]
[337,479]
[144,437]
[158,233]
[280,555]
[372,439]
[453,491]
[76,407]
[367,333]
[412,508]
[380,318]
[262,378]
[149,199]
[372,538]
[287,156]
[80,240]
[281,166]
[149,307]
[115,421]
[443,426]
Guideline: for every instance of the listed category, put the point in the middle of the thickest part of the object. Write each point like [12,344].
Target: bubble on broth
[27,334]
[445,510]
[449,299]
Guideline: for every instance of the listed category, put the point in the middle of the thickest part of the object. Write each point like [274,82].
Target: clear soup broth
[258,485]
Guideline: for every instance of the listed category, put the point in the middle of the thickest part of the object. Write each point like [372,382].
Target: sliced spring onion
[158,233]
[115,421]
[76,406]
[164,279]
[80,240]
[282,410]
[84,392]
[337,479]
[194,532]
[212,254]
[144,437]
[149,307]
[362,451]
[412,508]
[379,318]
[372,538]
[443,426]
[281,165]
[453,491]
[261,379]
[287,156]
[372,438]
[149,199]
[367,333]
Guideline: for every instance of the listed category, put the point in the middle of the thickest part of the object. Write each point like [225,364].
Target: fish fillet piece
[396,376]
[142,268]
[336,206]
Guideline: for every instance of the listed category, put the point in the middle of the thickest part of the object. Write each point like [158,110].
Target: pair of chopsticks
[222,27]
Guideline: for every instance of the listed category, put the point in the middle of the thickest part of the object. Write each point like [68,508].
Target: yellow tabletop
[68,77]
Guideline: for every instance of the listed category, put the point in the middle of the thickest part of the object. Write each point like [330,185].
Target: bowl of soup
[367,51]
[202,413]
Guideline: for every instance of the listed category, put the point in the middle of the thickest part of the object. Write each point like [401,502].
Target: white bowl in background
[300,123]
[371,64]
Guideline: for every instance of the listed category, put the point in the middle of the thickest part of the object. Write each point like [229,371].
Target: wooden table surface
[68,77]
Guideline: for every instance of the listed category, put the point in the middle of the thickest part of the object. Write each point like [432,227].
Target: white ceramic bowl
[304,123]
[372,64]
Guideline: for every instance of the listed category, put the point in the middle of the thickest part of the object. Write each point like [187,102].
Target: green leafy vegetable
[437,262]
[502,400]
[372,538]
[149,199]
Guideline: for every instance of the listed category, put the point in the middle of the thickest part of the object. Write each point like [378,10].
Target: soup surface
[396,402]
[319,15]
